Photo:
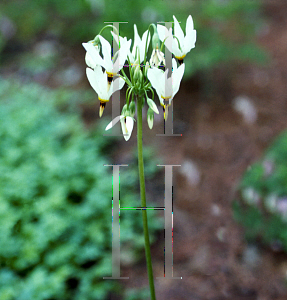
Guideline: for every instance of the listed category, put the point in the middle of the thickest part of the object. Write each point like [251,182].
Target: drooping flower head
[181,44]
[127,124]
[157,56]
[107,62]
[166,88]
[98,81]
[97,46]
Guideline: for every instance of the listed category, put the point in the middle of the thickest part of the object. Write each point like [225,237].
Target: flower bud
[132,108]
[138,76]
[137,55]
[147,66]
[152,105]
[155,40]
[150,118]
[132,71]
[124,110]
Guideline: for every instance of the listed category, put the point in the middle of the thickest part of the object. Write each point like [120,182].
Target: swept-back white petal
[161,31]
[189,24]
[156,78]
[189,41]
[106,49]
[168,85]
[175,48]
[145,37]
[116,85]
[89,61]
[124,50]
[154,74]
[115,36]
[164,33]
[93,79]
[177,30]
[93,53]
[113,122]
[102,76]
[177,77]
[120,83]
[169,38]
[137,39]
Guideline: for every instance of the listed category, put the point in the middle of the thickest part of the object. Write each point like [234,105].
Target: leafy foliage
[262,206]
[55,200]
[225,29]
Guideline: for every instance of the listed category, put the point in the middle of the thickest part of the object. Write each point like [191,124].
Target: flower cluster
[145,75]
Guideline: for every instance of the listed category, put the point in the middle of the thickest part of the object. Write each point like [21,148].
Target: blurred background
[230,195]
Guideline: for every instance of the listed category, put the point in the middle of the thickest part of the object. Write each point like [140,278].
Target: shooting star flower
[107,62]
[166,88]
[98,81]
[127,124]
[186,43]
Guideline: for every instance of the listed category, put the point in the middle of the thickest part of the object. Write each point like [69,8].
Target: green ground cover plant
[261,206]
[55,200]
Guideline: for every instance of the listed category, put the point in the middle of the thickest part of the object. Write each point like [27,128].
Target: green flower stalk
[141,82]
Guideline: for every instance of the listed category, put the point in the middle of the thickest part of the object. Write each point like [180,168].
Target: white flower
[152,105]
[127,124]
[138,42]
[187,42]
[112,68]
[150,118]
[98,81]
[166,88]
[89,61]
[156,58]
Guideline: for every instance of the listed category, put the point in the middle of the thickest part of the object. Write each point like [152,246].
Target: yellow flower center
[103,100]
[165,98]
[180,57]
[110,74]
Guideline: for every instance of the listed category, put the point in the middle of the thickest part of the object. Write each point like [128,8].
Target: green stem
[143,197]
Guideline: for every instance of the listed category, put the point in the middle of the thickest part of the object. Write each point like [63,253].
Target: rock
[190,171]
[245,106]
[251,257]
